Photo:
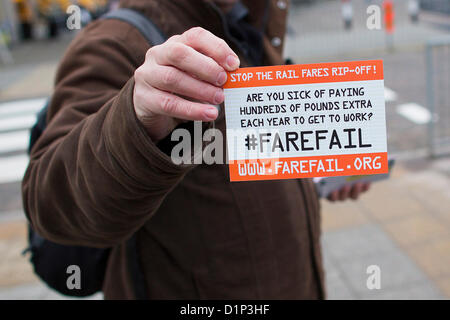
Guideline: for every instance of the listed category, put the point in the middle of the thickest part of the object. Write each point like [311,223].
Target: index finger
[214,47]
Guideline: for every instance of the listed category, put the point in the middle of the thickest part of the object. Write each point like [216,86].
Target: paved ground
[401,225]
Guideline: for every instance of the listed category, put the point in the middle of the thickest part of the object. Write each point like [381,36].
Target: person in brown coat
[100,174]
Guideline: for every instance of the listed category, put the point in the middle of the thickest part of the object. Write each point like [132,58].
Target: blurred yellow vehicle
[54,13]
[25,15]
[52,7]
[24,10]
[95,7]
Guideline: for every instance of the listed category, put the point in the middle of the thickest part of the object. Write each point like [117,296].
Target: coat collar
[200,12]
[177,16]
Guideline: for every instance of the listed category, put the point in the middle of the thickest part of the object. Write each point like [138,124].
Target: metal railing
[438,95]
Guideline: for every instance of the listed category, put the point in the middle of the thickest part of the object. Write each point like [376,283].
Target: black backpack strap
[136,272]
[38,128]
[145,26]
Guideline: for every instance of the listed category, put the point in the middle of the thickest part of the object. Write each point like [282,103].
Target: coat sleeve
[95,176]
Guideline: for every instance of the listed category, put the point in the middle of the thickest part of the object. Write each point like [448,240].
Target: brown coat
[95,178]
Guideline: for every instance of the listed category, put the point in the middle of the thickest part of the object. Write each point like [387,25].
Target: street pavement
[402,225]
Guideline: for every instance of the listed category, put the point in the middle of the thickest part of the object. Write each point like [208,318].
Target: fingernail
[222,78]
[233,62]
[219,97]
[211,113]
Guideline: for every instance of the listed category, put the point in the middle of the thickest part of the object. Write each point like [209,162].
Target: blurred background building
[401,225]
